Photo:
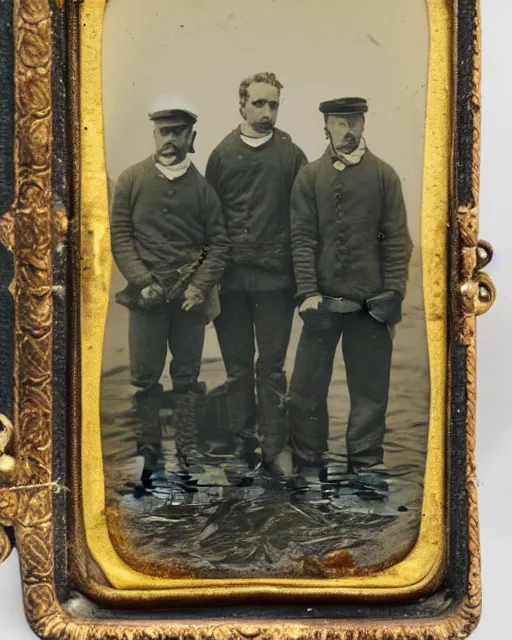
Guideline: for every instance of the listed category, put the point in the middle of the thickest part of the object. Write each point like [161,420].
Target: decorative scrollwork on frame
[7,462]
[8,498]
[476,294]
[33,242]
[7,230]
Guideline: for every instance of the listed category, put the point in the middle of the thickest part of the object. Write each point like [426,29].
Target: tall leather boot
[243,433]
[189,408]
[273,421]
[149,431]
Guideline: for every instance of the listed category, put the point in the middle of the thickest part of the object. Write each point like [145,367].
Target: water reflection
[268,529]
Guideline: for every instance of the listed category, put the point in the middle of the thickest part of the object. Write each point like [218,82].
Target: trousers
[151,333]
[261,319]
[367,348]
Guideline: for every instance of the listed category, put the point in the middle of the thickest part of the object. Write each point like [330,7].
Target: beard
[348,145]
[263,126]
[168,155]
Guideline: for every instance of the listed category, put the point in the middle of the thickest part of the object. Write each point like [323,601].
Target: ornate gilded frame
[40,492]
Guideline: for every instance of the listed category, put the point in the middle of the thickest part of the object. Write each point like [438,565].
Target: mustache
[264,122]
[348,141]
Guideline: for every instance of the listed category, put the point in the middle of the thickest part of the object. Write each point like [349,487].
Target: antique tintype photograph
[265,386]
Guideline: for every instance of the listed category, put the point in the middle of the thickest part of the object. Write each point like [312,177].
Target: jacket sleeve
[304,235]
[396,241]
[217,243]
[300,159]
[212,172]
[121,235]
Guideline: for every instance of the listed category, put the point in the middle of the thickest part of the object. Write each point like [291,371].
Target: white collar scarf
[256,142]
[173,171]
[350,159]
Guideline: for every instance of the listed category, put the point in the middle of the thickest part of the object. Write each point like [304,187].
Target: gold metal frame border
[28,234]
[422,567]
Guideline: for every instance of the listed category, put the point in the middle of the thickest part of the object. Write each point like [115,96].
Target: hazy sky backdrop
[319,49]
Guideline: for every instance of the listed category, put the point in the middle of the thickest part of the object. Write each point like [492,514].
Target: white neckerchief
[173,171]
[350,159]
[256,142]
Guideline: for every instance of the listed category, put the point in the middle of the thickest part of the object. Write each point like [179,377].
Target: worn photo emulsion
[265,385]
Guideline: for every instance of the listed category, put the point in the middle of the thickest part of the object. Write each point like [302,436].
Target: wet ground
[268,530]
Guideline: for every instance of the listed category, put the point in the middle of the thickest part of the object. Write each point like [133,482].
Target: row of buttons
[338,196]
[170,192]
[341,255]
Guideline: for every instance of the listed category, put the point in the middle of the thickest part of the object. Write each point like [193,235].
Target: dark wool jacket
[254,186]
[160,228]
[349,230]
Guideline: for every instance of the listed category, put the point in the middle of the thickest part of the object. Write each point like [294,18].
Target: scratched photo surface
[229,447]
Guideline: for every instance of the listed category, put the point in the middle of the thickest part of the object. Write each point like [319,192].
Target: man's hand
[386,307]
[311,303]
[152,292]
[193,297]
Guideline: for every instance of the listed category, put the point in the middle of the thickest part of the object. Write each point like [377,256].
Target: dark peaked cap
[344,106]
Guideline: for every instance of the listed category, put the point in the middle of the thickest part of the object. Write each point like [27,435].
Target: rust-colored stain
[117,527]
[313,568]
[338,559]
[60,3]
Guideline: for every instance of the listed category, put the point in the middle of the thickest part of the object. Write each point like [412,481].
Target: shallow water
[266,530]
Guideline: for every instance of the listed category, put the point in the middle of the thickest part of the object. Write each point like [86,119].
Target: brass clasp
[479,292]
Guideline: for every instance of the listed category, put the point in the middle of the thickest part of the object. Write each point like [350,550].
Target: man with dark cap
[253,170]
[351,250]
[169,241]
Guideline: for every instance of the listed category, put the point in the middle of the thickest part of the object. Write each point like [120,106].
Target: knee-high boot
[241,410]
[273,420]
[147,404]
[189,409]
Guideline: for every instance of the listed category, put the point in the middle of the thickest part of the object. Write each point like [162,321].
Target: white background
[494,450]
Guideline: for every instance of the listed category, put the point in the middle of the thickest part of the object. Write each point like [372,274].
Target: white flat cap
[169,105]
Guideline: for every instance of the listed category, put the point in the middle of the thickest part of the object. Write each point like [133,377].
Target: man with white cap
[169,241]
[252,170]
[351,250]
